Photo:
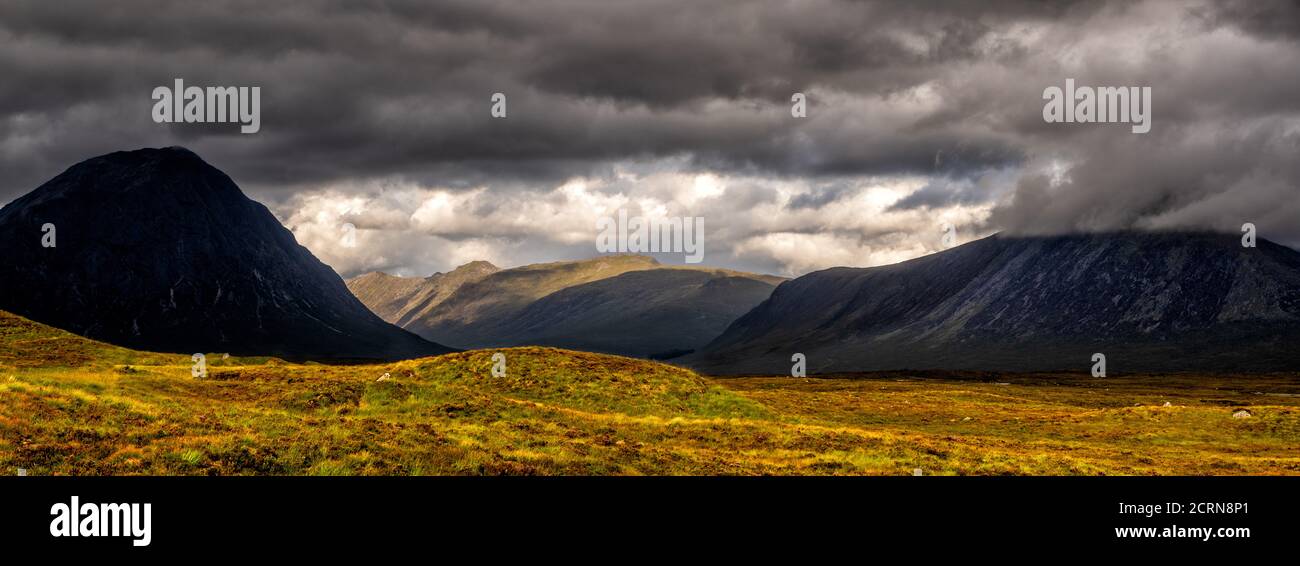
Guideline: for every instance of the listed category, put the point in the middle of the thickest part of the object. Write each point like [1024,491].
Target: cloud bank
[918,115]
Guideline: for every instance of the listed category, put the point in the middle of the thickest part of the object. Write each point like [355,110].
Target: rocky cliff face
[157,250]
[1149,301]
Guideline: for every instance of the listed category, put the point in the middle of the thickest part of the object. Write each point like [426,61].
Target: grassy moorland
[74,406]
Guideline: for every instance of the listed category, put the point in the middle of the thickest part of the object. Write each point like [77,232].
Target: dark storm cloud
[943,190]
[1222,150]
[822,195]
[1268,18]
[357,89]
[950,91]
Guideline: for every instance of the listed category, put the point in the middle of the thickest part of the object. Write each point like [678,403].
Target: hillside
[73,406]
[157,250]
[399,300]
[386,295]
[651,313]
[479,312]
[621,304]
[1148,301]
[24,344]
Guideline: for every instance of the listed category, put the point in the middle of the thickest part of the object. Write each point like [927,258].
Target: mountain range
[622,304]
[157,250]
[1147,301]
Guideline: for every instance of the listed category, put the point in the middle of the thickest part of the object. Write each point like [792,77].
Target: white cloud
[751,223]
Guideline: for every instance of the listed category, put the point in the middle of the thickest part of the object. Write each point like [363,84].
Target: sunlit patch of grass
[330,468]
[190,457]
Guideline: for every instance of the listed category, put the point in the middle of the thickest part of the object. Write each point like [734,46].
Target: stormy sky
[919,114]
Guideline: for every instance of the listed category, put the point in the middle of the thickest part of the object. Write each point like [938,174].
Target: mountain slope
[478,313]
[158,250]
[385,295]
[26,344]
[400,300]
[624,304]
[652,313]
[1148,301]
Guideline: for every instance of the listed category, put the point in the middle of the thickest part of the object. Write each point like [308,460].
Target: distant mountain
[385,295]
[657,313]
[157,250]
[1148,301]
[400,300]
[624,304]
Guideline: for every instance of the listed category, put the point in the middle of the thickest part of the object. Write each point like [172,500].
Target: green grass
[74,406]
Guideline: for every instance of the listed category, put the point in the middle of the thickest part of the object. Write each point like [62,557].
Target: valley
[623,304]
[160,255]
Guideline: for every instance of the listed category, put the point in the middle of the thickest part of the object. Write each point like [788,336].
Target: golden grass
[73,406]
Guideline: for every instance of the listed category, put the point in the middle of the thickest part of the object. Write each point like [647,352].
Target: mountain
[623,304]
[1147,301]
[400,300]
[157,250]
[658,313]
[385,295]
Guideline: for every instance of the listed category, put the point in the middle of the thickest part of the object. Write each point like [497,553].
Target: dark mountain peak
[158,250]
[171,153]
[143,171]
